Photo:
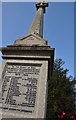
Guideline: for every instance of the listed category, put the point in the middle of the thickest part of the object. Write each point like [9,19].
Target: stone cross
[37,25]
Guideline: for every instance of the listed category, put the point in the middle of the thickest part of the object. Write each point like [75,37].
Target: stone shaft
[37,25]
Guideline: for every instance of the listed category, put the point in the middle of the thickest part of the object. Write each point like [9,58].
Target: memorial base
[24,82]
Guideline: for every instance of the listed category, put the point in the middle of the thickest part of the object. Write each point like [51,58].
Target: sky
[58,27]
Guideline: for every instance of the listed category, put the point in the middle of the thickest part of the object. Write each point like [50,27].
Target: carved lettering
[19,87]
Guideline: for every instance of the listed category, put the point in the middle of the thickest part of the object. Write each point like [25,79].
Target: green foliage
[60,92]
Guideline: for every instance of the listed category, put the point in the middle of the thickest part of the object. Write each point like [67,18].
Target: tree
[60,92]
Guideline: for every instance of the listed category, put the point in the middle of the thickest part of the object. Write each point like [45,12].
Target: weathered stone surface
[15,110]
[31,40]
[21,82]
[37,25]
[30,52]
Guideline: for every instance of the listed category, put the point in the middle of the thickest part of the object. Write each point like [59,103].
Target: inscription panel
[19,87]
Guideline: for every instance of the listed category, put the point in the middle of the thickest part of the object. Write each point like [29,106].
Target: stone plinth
[26,71]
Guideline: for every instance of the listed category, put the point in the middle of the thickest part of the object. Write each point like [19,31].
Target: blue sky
[58,27]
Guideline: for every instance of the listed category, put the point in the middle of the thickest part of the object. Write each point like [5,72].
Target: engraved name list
[19,89]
